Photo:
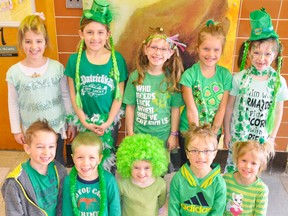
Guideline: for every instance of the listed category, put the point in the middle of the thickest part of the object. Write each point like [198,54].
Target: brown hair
[32,23]
[213,29]
[263,152]
[203,132]
[173,66]
[39,125]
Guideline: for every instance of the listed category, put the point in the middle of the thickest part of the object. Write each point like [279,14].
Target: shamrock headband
[173,40]
[141,147]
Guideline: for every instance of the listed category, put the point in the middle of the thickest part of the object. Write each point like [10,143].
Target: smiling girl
[206,84]
[37,87]
[96,76]
[152,95]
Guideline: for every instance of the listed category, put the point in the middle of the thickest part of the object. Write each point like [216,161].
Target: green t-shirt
[245,199]
[137,201]
[45,187]
[97,87]
[153,104]
[88,196]
[207,92]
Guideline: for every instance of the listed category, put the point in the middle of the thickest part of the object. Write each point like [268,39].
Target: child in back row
[247,194]
[141,160]
[37,87]
[35,186]
[198,187]
[89,190]
[96,76]
[255,104]
[152,95]
[206,85]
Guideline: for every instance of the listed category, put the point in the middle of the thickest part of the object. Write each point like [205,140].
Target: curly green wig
[141,147]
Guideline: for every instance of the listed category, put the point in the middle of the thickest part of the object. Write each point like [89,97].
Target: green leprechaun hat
[261,25]
[99,12]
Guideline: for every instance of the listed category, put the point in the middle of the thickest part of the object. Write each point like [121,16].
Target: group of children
[250,103]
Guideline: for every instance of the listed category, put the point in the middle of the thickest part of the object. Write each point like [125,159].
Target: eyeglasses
[155,49]
[197,152]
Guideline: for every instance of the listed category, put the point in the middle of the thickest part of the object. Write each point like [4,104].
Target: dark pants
[59,150]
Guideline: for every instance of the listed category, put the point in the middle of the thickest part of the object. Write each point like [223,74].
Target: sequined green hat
[261,25]
[99,12]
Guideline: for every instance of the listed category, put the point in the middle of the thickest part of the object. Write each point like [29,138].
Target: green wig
[141,147]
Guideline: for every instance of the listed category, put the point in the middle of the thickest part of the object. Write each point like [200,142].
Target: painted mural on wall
[186,17]
[12,12]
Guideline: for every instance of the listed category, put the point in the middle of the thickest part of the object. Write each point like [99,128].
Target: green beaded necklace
[103,192]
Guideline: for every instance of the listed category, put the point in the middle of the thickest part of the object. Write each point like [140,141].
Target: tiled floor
[277,183]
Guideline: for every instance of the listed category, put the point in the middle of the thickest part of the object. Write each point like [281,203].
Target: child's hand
[102,128]
[19,137]
[172,142]
[92,127]
[71,133]
[226,140]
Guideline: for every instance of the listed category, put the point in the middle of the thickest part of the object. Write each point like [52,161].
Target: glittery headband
[173,40]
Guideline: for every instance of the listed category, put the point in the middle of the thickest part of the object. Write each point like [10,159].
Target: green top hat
[99,12]
[261,25]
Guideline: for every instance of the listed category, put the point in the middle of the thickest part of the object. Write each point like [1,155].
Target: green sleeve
[130,91]
[177,100]
[174,199]
[113,196]
[227,80]
[219,205]
[163,193]
[261,203]
[122,67]
[67,203]
[71,66]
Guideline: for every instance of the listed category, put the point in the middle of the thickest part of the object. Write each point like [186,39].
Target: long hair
[173,66]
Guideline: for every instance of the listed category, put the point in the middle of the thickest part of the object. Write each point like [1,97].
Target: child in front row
[89,189]
[35,186]
[255,105]
[198,187]
[141,160]
[247,194]
[206,85]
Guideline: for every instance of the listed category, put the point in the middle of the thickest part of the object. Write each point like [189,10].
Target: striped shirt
[245,200]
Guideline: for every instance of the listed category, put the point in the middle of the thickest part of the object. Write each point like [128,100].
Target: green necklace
[103,193]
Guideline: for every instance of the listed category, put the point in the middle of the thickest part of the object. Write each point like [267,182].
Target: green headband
[173,40]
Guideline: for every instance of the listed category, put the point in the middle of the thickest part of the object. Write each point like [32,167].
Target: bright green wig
[141,147]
